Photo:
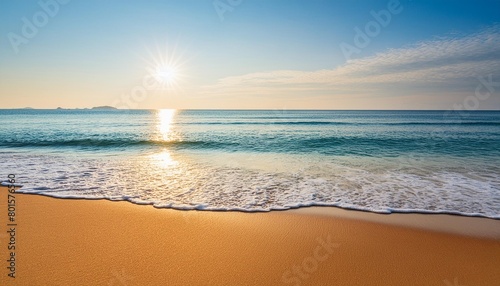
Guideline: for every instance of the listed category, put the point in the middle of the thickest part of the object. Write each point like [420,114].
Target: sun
[166,75]
[166,67]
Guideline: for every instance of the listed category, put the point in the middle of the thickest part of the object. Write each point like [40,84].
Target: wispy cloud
[452,62]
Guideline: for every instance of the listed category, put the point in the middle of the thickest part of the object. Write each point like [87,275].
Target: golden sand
[99,242]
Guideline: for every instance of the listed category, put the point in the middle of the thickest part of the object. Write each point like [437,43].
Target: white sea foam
[250,182]
[7,183]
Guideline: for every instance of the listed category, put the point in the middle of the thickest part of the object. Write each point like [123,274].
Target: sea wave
[112,143]
[180,183]
[441,144]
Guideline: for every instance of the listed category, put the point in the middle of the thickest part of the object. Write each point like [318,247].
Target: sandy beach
[231,142]
[100,242]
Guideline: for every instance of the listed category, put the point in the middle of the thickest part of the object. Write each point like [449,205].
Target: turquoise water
[382,161]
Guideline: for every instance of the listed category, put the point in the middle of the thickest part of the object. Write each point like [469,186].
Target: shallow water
[382,161]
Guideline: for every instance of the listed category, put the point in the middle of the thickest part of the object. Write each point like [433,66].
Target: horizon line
[240,109]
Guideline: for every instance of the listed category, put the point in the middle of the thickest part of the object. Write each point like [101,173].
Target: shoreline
[101,242]
[452,223]
[472,226]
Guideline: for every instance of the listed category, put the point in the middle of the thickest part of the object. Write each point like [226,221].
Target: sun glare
[166,75]
[164,159]
[166,67]
[165,121]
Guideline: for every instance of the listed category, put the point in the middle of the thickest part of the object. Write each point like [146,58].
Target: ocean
[260,160]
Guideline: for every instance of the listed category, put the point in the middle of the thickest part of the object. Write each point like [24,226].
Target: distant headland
[105,107]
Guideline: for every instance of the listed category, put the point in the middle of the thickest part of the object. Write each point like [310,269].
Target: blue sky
[250,54]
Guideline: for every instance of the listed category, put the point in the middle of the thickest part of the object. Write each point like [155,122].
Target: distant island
[106,107]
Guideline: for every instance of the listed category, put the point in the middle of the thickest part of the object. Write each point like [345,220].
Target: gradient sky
[255,54]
